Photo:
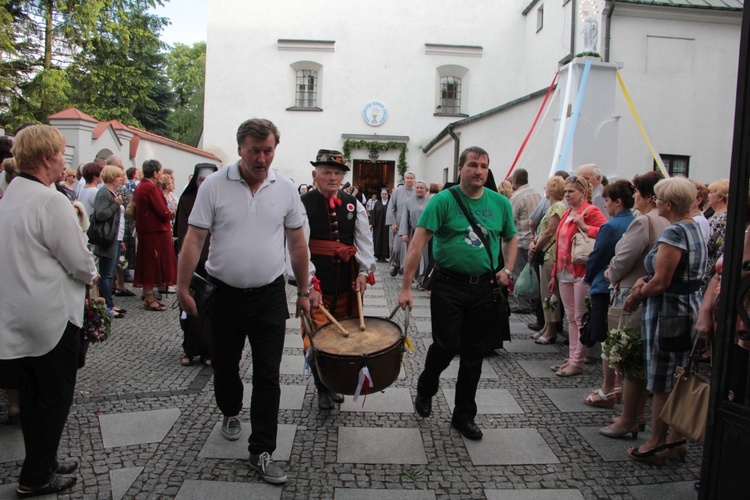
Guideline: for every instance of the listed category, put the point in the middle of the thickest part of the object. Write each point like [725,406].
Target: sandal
[557,368]
[206,362]
[568,372]
[545,341]
[186,361]
[153,305]
[599,399]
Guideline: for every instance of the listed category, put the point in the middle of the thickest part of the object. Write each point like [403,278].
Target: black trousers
[463,315]
[260,316]
[46,385]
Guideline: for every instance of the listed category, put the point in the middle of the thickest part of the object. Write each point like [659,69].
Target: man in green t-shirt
[465,300]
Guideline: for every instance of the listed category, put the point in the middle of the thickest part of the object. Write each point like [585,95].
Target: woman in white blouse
[46,268]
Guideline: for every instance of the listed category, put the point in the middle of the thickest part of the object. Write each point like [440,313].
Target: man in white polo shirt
[249,210]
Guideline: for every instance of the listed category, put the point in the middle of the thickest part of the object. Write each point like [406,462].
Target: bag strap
[474,225]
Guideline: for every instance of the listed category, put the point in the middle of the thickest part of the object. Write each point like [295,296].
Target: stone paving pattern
[143,426]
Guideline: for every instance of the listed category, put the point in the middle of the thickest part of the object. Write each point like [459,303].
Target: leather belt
[221,284]
[476,279]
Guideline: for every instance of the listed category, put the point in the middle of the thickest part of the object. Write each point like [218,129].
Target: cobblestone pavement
[143,426]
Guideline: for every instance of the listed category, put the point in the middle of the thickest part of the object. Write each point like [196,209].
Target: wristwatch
[509,273]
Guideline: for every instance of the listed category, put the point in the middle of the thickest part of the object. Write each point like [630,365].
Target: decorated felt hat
[331,158]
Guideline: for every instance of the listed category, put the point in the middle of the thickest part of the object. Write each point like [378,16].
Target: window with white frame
[307,79]
[306,95]
[451,92]
[450,95]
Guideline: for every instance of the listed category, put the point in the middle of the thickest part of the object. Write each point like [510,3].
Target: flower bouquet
[122,263]
[97,320]
[623,349]
[550,303]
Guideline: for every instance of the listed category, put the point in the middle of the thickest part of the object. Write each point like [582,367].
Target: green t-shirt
[456,247]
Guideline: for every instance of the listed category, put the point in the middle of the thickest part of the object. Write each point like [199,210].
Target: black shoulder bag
[499,294]
[675,330]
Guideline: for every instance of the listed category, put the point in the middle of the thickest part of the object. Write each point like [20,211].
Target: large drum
[339,359]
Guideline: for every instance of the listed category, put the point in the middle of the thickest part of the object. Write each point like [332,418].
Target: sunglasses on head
[579,180]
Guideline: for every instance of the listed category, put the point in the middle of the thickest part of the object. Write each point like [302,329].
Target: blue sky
[188,19]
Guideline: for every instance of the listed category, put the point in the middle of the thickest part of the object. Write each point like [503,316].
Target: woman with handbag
[107,205]
[675,267]
[581,220]
[618,201]
[624,269]
[542,249]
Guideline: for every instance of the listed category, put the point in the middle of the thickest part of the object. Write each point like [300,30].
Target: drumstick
[333,320]
[361,313]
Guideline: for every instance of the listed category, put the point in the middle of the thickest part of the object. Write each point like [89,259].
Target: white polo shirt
[247,232]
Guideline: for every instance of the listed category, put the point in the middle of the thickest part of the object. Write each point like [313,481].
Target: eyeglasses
[581,182]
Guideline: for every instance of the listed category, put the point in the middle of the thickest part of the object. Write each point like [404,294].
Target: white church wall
[681,75]
[378,55]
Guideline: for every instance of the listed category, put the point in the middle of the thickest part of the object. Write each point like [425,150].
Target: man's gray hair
[594,169]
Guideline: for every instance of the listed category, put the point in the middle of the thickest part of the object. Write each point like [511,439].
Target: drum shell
[340,372]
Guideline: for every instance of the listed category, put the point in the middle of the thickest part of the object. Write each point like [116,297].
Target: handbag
[538,259]
[527,282]
[201,290]
[686,409]
[130,210]
[581,245]
[617,317]
[675,330]
[585,330]
[102,233]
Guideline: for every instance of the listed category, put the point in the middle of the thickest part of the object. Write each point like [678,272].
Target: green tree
[186,69]
[48,35]
[122,76]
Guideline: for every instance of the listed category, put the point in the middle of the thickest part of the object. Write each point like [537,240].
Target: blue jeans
[107,268]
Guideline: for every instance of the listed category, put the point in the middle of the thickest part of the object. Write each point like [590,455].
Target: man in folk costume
[341,249]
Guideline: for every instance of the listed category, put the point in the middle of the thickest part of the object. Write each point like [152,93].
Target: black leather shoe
[423,405]
[468,429]
[66,467]
[394,270]
[325,400]
[55,485]
[535,326]
[337,398]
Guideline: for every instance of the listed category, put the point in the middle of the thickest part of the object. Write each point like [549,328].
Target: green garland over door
[350,145]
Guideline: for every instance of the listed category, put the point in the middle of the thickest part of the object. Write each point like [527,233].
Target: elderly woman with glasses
[584,217]
[675,267]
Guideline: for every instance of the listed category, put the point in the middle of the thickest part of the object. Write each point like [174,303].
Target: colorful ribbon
[656,156]
[533,125]
[364,384]
[576,113]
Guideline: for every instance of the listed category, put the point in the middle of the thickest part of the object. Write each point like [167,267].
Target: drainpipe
[608,30]
[573,15]
[456,148]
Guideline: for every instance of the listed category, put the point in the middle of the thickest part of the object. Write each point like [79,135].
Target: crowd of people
[641,250]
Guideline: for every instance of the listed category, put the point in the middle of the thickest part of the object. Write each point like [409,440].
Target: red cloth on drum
[155,261]
[346,307]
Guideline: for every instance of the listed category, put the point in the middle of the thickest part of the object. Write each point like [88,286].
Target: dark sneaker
[56,484]
[231,428]
[468,429]
[66,467]
[423,405]
[269,471]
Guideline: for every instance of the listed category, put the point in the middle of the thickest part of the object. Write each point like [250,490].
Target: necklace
[424,199]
